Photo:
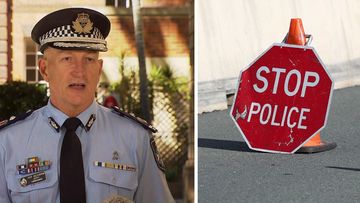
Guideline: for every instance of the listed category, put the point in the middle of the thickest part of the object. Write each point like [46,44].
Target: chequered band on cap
[63,36]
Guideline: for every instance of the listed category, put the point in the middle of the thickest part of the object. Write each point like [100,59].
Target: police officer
[73,149]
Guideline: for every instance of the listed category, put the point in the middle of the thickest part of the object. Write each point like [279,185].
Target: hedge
[18,97]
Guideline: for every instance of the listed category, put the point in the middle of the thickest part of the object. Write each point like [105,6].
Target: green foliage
[18,97]
[174,91]
[173,87]
[128,92]
[164,77]
[127,88]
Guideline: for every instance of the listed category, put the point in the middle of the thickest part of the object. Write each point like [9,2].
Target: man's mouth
[77,85]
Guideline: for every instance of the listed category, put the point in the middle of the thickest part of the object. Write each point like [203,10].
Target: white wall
[232,33]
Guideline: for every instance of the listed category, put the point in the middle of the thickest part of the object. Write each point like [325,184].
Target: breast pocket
[34,188]
[114,177]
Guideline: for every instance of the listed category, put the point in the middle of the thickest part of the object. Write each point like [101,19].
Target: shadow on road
[224,144]
[343,168]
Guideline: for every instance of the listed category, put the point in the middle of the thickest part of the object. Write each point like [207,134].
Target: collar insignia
[82,24]
[54,124]
[90,122]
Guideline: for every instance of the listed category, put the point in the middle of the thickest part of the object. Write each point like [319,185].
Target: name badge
[32,179]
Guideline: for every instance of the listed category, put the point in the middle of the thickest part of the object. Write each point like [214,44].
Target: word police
[289,116]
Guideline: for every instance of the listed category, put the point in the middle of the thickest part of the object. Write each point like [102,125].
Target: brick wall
[163,36]
[3,41]
[166,32]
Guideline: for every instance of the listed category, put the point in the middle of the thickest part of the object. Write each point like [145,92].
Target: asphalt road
[228,171]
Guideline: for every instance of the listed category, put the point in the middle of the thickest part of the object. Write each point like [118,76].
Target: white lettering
[307,83]
[289,117]
[252,111]
[287,79]
[274,117]
[277,77]
[311,79]
[262,121]
[261,78]
[284,116]
[302,117]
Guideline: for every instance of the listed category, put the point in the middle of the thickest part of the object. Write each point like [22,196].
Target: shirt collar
[86,117]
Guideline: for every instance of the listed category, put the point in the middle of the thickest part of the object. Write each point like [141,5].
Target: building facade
[5,41]
[165,30]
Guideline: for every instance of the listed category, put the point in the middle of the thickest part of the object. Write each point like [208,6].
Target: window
[32,56]
[119,3]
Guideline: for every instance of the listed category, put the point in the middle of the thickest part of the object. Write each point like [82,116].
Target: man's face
[73,77]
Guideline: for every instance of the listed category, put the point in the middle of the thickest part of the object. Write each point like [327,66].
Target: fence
[171,118]
[169,105]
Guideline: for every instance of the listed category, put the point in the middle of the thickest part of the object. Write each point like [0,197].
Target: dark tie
[72,183]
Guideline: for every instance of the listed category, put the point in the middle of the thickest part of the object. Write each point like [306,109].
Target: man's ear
[100,61]
[43,68]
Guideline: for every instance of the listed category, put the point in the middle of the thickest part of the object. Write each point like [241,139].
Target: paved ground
[228,171]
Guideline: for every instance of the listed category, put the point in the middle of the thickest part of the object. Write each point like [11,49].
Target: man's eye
[66,58]
[90,59]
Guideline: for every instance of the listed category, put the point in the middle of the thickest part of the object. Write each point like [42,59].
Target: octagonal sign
[282,99]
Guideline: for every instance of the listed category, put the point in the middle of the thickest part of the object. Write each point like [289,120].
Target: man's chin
[80,102]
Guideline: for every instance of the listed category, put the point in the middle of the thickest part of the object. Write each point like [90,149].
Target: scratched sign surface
[282,99]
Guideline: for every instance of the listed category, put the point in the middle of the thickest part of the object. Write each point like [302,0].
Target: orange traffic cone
[297,36]
[296,33]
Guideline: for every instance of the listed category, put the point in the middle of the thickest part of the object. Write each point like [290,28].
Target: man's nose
[79,68]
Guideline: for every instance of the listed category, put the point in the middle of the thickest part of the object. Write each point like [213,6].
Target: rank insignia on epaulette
[3,122]
[157,156]
[14,119]
[33,165]
[141,121]
[32,179]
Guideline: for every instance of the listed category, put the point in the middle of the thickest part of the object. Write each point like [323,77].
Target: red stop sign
[282,99]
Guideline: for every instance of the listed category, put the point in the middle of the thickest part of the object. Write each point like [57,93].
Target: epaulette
[141,121]
[14,119]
